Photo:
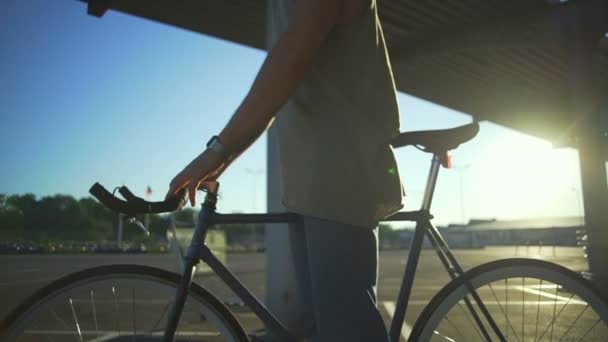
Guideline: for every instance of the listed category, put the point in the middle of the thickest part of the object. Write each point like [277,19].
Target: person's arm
[285,66]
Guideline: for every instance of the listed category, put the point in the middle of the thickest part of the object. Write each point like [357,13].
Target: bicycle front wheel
[523,300]
[118,303]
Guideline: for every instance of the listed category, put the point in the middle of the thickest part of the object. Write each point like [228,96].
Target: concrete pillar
[281,290]
[281,287]
[592,154]
[588,108]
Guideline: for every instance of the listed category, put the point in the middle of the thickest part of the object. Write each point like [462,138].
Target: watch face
[215,145]
[212,140]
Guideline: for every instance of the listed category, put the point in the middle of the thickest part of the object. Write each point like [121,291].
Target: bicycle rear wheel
[118,303]
[528,300]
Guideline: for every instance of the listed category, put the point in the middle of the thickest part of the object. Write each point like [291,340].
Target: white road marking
[122,301]
[411,302]
[406,330]
[107,334]
[527,302]
[559,299]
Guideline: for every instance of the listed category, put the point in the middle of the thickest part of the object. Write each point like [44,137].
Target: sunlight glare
[530,175]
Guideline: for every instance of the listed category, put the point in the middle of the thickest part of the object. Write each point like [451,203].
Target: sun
[529,175]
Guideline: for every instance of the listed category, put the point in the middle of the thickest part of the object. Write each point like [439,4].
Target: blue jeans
[337,270]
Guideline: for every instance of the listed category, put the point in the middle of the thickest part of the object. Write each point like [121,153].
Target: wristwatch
[215,145]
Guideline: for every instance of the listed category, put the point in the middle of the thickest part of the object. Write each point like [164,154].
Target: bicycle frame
[198,251]
[425,227]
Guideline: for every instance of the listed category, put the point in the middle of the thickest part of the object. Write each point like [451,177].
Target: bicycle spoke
[523,308]
[123,303]
[504,313]
[554,306]
[162,316]
[466,314]
[117,321]
[436,333]
[574,323]
[455,328]
[76,320]
[485,313]
[572,310]
[590,329]
[555,317]
[94,313]
[538,311]
[133,313]
[507,307]
[56,316]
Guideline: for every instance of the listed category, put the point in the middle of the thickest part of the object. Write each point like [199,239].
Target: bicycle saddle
[437,141]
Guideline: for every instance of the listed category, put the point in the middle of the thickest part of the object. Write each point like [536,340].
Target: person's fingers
[170,192]
[183,198]
[192,192]
[173,191]
[178,183]
[173,188]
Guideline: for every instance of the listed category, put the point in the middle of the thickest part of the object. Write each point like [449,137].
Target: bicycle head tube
[197,246]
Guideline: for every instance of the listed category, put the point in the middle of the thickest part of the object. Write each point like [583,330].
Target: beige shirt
[333,133]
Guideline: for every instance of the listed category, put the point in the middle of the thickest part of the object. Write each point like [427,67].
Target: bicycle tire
[61,310]
[434,324]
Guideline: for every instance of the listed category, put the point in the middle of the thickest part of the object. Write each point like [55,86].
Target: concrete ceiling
[538,66]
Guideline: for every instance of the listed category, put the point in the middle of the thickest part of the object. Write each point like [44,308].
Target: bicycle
[100,304]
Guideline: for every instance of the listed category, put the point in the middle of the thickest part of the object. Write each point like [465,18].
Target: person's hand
[208,166]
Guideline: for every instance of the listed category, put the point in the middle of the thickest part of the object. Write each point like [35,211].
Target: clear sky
[122,100]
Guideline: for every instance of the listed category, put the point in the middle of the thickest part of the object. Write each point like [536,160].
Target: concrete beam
[240,21]
[530,30]
[98,8]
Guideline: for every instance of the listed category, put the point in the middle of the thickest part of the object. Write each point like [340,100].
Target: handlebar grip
[107,199]
[136,205]
[127,194]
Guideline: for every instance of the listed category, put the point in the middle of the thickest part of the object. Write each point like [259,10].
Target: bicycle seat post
[431,182]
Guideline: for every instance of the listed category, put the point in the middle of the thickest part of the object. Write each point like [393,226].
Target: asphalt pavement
[22,275]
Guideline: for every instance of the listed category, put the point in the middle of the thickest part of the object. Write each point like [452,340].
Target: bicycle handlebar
[135,205]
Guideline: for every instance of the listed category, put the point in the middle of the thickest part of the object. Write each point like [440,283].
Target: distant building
[558,231]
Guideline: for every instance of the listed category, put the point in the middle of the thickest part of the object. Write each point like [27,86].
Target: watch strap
[215,145]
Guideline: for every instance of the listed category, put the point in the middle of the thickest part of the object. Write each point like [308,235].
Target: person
[327,85]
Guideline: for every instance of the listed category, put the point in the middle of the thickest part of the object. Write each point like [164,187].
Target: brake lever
[139,224]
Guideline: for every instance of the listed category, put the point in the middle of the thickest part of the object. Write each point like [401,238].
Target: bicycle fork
[180,299]
[192,259]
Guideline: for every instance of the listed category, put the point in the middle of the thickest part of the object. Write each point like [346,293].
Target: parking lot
[23,274]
